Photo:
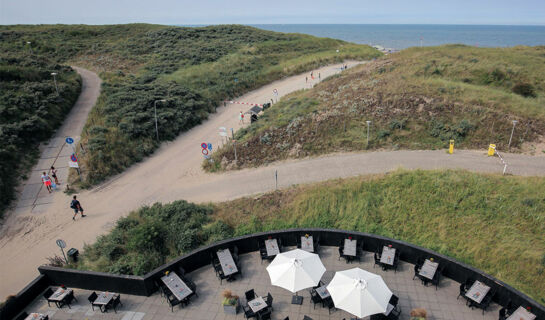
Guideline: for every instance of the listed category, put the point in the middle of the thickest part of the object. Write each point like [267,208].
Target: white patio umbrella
[359,292]
[296,270]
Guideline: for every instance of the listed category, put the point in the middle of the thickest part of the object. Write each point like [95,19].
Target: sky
[187,12]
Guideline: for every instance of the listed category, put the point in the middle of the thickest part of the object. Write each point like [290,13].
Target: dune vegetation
[487,221]
[419,98]
[193,69]
[30,110]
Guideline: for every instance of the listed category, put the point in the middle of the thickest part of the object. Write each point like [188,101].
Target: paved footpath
[174,172]
[34,196]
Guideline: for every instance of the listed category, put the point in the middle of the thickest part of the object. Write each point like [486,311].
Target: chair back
[22,316]
[181,271]
[48,293]
[117,301]
[307,318]
[269,299]
[393,300]
[92,297]
[250,295]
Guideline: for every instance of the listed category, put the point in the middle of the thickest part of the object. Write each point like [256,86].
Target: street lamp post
[155,111]
[54,74]
[368,124]
[512,131]
[29,46]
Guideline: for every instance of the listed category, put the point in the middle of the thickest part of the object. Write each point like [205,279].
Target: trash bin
[266,105]
[253,118]
[73,254]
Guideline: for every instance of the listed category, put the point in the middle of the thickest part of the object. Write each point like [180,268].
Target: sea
[399,36]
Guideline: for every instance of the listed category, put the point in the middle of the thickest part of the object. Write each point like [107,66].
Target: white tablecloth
[226,261]
[257,304]
[307,244]
[478,291]
[176,286]
[272,247]
[350,247]
[428,269]
[522,314]
[388,255]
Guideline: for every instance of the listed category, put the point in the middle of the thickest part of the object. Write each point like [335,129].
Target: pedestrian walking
[77,208]
[319,77]
[241,118]
[47,181]
[54,174]
[306,79]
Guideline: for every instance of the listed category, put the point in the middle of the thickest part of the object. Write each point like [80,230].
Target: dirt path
[174,172]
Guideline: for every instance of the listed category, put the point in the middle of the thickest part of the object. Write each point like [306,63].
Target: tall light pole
[368,124]
[155,111]
[29,46]
[512,131]
[54,74]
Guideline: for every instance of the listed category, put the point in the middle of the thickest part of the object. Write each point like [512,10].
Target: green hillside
[192,68]
[30,110]
[419,98]
[487,221]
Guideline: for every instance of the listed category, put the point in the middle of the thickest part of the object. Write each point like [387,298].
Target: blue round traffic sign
[210,146]
[73,158]
[69,140]
[204,145]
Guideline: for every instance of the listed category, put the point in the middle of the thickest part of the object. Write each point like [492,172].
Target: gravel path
[174,172]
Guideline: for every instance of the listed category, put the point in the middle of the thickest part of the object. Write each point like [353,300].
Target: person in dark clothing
[77,208]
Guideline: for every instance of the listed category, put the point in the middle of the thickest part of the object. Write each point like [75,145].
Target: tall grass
[462,93]
[494,223]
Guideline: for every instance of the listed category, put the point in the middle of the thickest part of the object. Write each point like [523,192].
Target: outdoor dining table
[522,314]
[388,255]
[36,316]
[176,286]
[307,243]
[428,269]
[104,298]
[350,247]
[271,245]
[322,292]
[478,291]
[59,295]
[257,304]
[227,263]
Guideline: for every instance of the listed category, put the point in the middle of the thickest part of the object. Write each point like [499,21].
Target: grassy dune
[192,68]
[419,98]
[494,223]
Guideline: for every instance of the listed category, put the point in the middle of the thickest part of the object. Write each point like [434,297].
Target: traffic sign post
[62,245]
[69,140]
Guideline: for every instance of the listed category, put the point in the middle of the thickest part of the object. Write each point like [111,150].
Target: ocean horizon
[401,36]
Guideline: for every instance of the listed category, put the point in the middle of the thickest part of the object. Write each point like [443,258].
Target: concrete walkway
[34,196]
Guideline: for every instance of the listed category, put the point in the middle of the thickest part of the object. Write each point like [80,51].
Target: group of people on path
[46,179]
[50,185]
[312,76]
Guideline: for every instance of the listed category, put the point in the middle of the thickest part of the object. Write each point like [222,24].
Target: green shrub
[524,89]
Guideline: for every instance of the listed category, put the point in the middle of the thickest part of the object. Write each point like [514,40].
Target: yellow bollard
[451,147]
[491,150]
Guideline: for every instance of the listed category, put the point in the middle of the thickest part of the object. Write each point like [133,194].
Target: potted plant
[230,302]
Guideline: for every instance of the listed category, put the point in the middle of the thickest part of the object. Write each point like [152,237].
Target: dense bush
[524,89]
[192,68]
[148,237]
[30,111]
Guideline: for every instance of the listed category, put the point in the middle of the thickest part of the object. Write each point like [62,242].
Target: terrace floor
[440,304]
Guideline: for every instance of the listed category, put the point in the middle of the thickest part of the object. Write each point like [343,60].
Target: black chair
[248,313]
[307,318]
[416,271]
[67,300]
[341,252]
[181,271]
[396,260]
[463,290]
[166,292]
[506,311]
[396,312]
[377,260]
[191,285]
[173,301]
[328,303]
[437,276]
[315,298]
[47,294]
[394,300]
[485,303]
[22,316]
[92,299]
[269,300]
[250,295]
[116,302]
[265,314]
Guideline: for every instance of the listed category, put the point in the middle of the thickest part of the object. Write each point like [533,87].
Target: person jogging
[77,208]
[47,181]
[241,118]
